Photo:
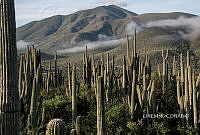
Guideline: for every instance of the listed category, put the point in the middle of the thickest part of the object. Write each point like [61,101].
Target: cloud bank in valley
[191,25]
[21,45]
[103,42]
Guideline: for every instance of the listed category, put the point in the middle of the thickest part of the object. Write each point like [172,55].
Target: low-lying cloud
[104,42]
[21,45]
[191,26]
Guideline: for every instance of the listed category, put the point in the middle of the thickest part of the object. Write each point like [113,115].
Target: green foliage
[185,129]
[56,102]
[135,127]
[58,107]
[117,117]
[53,92]
[156,128]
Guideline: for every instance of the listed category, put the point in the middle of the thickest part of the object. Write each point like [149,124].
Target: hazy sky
[31,10]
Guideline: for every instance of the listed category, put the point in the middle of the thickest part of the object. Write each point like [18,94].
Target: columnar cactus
[33,115]
[135,43]
[9,94]
[182,68]
[56,127]
[133,93]
[125,79]
[74,98]
[55,68]
[87,72]
[69,91]
[101,126]
[78,125]
[195,111]
[190,86]
[186,100]
[164,74]
[73,132]
[174,67]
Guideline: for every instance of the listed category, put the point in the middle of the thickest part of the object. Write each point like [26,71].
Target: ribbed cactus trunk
[186,100]
[55,66]
[9,94]
[164,74]
[174,67]
[133,94]
[195,111]
[74,103]
[78,125]
[101,127]
[69,92]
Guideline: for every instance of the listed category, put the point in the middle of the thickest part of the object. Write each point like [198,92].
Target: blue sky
[31,10]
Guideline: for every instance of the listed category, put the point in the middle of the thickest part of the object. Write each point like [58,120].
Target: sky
[32,10]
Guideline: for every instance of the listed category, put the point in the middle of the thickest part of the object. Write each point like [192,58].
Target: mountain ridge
[65,31]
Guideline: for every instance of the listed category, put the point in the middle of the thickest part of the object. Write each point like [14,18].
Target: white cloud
[104,42]
[21,45]
[191,26]
[120,3]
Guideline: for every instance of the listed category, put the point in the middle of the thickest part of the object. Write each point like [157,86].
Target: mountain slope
[60,32]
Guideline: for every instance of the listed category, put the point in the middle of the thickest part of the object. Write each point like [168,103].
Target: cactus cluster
[30,83]
[187,95]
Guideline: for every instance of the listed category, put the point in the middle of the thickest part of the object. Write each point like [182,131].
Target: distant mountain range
[107,23]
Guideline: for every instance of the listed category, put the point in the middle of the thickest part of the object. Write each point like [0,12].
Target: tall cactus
[101,127]
[56,127]
[174,67]
[195,111]
[186,100]
[74,102]
[133,94]
[9,94]
[164,69]
[69,91]
[78,126]
[125,79]
[33,116]
[55,67]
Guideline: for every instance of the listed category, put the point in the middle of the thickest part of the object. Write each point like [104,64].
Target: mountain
[60,32]
[87,24]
